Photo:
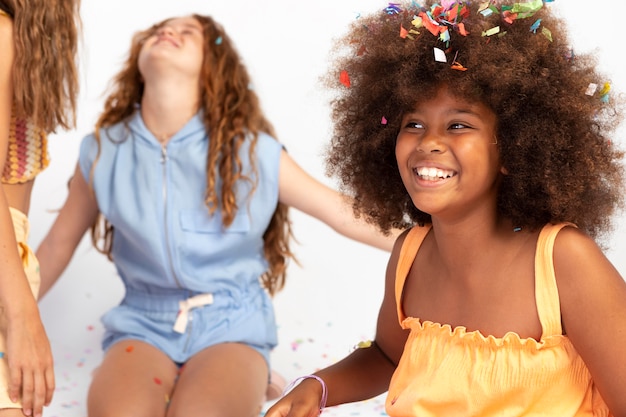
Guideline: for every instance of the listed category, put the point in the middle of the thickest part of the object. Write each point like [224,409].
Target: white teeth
[432,174]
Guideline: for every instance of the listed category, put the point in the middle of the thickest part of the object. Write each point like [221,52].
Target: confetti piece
[488,10]
[432,26]
[383,121]
[444,36]
[535,26]
[90,328]
[509,17]
[457,66]
[344,78]
[393,8]
[157,381]
[129,348]
[417,22]
[462,29]
[219,40]
[440,56]
[527,8]
[295,344]
[403,32]
[605,88]
[1,355]
[364,344]
[604,93]
[591,89]
[492,31]
[546,32]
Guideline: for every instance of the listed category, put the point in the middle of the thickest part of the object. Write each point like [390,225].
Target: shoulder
[265,141]
[268,151]
[580,266]
[571,242]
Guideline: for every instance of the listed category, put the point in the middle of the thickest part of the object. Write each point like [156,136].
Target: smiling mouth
[433,174]
[167,40]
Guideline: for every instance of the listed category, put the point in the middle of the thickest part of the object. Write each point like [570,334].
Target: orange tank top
[447,371]
[27,153]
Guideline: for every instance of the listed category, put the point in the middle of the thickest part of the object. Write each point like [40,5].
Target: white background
[331,300]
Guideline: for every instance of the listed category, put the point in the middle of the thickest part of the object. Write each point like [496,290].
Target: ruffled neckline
[464,336]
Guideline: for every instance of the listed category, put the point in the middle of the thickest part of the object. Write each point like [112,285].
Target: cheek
[403,150]
[141,60]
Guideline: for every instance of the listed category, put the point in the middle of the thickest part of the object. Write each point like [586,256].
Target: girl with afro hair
[475,125]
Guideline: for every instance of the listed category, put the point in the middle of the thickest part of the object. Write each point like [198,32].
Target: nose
[165,30]
[431,142]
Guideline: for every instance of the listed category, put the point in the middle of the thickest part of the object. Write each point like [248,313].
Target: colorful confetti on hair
[449,16]
[604,93]
[344,78]
[393,8]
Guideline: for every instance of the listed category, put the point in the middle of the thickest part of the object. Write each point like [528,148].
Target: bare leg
[135,379]
[225,380]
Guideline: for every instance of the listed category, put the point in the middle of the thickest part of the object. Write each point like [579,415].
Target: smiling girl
[475,123]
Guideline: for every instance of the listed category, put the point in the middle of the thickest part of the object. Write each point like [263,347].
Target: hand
[30,363]
[302,401]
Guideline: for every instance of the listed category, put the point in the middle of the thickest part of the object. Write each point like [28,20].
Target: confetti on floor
[299,352]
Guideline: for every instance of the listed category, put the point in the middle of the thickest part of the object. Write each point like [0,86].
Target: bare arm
[31,372]
[593,309]
[363,374]
[76,216]
[303,192]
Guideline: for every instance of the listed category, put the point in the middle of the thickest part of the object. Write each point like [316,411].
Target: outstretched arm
[363,374]
[593,308]
[303,192]
[76,216]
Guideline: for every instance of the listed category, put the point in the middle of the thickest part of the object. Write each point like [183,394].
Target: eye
[458,125]
[413,125]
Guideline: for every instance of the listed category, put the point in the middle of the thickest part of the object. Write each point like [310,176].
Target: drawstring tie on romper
[186,305]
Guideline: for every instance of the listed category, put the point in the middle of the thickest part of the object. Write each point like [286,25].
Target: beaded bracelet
[321,381]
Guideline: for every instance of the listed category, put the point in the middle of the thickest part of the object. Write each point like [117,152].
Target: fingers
[40,394]
[50,385]
[36,390]
[287,409]
[15,384]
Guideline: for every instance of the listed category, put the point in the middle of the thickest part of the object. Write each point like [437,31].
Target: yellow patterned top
[27,152]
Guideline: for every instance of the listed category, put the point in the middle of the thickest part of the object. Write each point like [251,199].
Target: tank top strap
[546,291]
[408,252]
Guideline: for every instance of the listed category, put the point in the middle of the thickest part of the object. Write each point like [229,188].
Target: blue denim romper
[190,283]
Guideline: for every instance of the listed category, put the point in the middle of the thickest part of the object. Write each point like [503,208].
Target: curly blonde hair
[45,75]
[232,115]
[555,141]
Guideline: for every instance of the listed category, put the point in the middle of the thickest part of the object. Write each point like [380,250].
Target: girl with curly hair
[186,189]
[38,89]
[476,125]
